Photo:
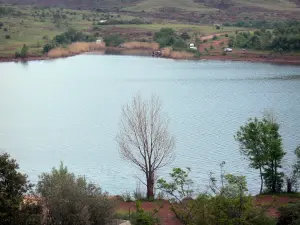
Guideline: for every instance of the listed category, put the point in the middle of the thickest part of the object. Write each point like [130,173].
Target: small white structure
[192,46]
[227,49]
[102,21]
[99,41]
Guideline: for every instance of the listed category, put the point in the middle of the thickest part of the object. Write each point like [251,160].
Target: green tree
[72,200]
[185,36]
[250,138]
[13,186]
[272,176]
[261,142]
[293,179]
[229,203]
[289,214]
[24,51]
[179,190]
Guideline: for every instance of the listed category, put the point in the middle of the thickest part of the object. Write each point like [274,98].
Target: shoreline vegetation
[146,48]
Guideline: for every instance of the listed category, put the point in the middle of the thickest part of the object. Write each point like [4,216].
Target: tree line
[68,37]
[282,38]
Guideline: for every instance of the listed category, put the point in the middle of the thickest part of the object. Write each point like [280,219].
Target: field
[203,29]
[35,27]
[152,5]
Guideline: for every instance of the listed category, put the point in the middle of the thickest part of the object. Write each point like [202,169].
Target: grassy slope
[269,4]
[32,31]
[150,5]
[203,29]
[190,5]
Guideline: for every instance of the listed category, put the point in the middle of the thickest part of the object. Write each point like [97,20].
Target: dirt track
[167,217]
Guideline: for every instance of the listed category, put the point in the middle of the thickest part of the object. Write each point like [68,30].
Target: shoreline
[278,59]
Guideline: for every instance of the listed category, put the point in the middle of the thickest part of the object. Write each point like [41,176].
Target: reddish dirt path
[167,217]
[279,201]
[164,213]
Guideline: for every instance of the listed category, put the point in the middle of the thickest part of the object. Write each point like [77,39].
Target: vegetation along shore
[41,33]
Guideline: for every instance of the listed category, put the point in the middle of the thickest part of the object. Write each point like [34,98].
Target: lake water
[68,110]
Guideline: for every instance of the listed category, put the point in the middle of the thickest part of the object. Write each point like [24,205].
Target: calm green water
[68,110]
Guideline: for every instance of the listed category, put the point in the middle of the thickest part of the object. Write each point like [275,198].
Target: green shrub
[48,47]
[113,40]
[215,37]
[126,196]
[140,217]
[185,36]
[289,214]
[7,36]
[197,54]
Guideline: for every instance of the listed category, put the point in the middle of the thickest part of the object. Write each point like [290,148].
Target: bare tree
[144,139]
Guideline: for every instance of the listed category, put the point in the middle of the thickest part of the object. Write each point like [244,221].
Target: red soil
[164,213]
[167,217]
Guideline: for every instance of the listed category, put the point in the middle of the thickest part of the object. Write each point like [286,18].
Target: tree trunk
[273,178]
[150,188]
[261,180]
[289,185]
[150,185]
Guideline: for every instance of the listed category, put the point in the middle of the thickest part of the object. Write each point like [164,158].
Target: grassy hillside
[152,5]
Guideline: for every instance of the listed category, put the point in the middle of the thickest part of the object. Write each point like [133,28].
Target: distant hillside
[202,11]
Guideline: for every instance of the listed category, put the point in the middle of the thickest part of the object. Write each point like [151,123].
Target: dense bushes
[289,215]
[167,37]
[113,40]
[67,38]
[72,200]
[283,38]
[228,203]
[23,53]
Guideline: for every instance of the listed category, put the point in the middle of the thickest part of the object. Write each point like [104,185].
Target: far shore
[245,57]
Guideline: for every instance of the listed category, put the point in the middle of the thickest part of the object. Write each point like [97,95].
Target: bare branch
[144,139]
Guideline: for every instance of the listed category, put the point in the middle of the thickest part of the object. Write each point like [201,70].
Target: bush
[113,40]
[127,197]
[72,200]
[215,37]
[23,53]
[185,36]
[1,25]
[289,214]
[226,35]
[142,218]
[5,29]
[48,47]
[7,36]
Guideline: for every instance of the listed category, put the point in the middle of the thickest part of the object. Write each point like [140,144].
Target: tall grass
[75,48]
[141,45]
[168,53]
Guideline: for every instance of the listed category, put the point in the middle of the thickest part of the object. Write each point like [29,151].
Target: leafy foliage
[283,38]
[71,200]
[229,204]
[113,40]
[167,37]
[13,186]
[289,215]
[140,217]
[261,142]
[67,38]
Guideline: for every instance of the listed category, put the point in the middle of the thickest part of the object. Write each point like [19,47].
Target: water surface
[68,110]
